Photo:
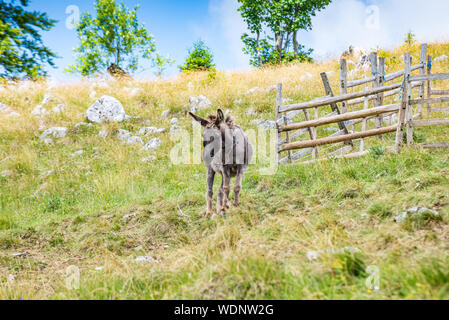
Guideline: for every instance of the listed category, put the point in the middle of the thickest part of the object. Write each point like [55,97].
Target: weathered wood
[442,110]
[401,117]
[295,135]
[429,84]
[440,92]
[356,83]
[278,116]
[343,83]
[431,77]
[340,152]
[431,100]
[290,115]
[324,141]
[340,118]
[409,114]
[398,74]
[311,133]
[364,123]
[329,92]
[441,145]
[346,97]
[297,155]
[380,97]
[430,122]
[422,72]
[375,72]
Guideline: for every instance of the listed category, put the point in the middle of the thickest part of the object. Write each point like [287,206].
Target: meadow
[136,229]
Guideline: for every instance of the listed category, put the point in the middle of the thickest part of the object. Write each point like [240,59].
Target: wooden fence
[361,114]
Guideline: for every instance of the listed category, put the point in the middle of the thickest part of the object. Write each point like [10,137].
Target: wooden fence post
[408,64]
[278,116]
[343,83]
[334,106]
[422,71]
[403,108]
[429,84]
[380,97]
[375,73]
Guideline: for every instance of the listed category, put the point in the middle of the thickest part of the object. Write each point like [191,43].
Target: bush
[200,58]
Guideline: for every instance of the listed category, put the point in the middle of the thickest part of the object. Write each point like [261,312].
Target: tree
[161,63]
[113,40]
[200,58]
[410,38]
[282,19]
[22,52]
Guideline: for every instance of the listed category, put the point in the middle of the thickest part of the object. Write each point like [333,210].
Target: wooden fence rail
[400,117]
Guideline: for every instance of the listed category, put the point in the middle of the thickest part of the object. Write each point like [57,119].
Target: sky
[176,24]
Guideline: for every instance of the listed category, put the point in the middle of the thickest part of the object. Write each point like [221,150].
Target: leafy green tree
[161,63]
[22,52]
[282,19]
[200,58]
[410,38]
[113,39]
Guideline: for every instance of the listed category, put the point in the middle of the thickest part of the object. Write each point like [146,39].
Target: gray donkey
[227,151]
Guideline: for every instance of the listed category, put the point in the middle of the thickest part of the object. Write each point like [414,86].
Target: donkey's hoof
[208,214]
[236,204]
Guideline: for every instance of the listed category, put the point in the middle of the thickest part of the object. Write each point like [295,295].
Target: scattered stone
[123,135]
[106,109]
[146,122]
[93,95]
[103,133]
[287,100]
[47,99]
[99,268]
[174,121]
[134,140]
[60,108]
[56,132]
[49,173]
[11,278]
[78,153]
[39,111]
[312,255]
[251,113]
[268,124]
[415,210]
[20,254]
[306,76]
[150,130]
[149,159]
[200,102]
[252,90]
[165,114]
[441,58]
[239,101]
[14,115]
[145,259]
[83,124]
[133,91]
[152,144]
[363,63]
[129,216]
[48,141]
[4,109]
[174,128]
[256,122]
[272,88]
[6,173]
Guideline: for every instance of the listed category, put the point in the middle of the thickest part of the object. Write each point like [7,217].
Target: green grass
[75,215]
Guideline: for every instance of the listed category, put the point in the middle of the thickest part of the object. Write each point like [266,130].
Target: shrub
[200,58]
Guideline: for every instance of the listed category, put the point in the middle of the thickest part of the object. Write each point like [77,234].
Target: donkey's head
[216,134]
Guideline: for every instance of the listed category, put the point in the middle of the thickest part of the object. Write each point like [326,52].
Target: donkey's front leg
[210,191]
[226,187]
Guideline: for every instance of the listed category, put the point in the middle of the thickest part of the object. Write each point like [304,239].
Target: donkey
[227,151]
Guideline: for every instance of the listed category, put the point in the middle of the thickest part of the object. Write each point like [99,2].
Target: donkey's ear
[202,121]
[220,116]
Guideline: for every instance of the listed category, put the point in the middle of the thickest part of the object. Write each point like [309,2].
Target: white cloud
[348,22]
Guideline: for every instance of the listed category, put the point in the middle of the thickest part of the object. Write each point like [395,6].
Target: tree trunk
[259,57]
[295,43]
[279,40]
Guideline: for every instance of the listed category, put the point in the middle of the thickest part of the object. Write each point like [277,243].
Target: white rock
[441,58]
[83,124]
[150,130]
[129,216]
[93,95]
[14,115]
[148,159]
[4,109]
[190,85]
[99,268]
[287,100]
[257,122]
[306,76]
[268,125]
[200,102]
[165,114]
[48,141]
[56,132]
[312,255]
[415,210]
[39,111]
[174,128]
[239,101]
[252,90]
[6,173]
[47,99]
[59,108]
[11,278]
[251,113]
[103,134]
[272,88]
[106,109]
[174,121]
[152,144]
[78,153]
[123,135]
[134,140]
[145,259]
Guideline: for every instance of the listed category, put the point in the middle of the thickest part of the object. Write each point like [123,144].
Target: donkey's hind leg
[238,187]
[210,191]
[220,198]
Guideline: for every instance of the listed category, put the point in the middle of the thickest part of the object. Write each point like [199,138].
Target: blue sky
[177,24]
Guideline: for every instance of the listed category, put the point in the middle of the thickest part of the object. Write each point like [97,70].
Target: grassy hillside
[102,209]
